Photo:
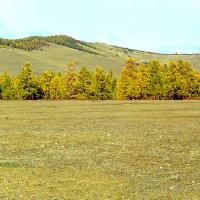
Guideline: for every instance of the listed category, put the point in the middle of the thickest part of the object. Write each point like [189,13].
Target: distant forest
[151,80]
[37,42]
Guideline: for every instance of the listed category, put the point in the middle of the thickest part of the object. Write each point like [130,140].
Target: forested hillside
[55,51]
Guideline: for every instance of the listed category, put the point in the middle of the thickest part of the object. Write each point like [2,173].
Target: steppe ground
[56,150]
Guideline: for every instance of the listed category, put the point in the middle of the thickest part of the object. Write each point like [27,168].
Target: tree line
[37,42]
[26,44]
[152,80]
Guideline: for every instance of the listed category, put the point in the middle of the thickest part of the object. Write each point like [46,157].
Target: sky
[165,26]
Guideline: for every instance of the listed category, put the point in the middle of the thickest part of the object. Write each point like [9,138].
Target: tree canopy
[152,80]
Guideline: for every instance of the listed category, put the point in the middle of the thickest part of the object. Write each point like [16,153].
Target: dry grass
[100,150]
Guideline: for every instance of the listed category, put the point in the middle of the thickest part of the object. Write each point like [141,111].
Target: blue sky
[152,25]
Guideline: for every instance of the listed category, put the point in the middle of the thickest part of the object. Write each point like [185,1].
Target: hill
[55,51]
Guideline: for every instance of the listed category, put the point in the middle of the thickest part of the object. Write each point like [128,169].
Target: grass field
[60,150]
[56,57]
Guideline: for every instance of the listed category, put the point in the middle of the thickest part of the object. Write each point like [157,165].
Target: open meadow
[57,150]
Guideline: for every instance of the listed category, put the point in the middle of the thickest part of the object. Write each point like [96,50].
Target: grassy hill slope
[56,51]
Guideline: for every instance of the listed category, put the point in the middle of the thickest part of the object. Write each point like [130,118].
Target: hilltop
[55,51]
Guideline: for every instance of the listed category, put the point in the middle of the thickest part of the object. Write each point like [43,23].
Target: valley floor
[99,150]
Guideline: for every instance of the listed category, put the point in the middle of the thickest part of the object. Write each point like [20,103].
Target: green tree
[157,80]
[27,84]
[84,83]
[102,84]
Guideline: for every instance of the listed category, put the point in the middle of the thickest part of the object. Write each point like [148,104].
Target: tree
[179,77]
[157,80]
[133,81]
[70,81]
[196,85]
[124,82]
[143,81]
[6,86]
[45,82]
[137,83]
[177,80]
[27,84]
[56,89]
[84,83]
[102,84]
